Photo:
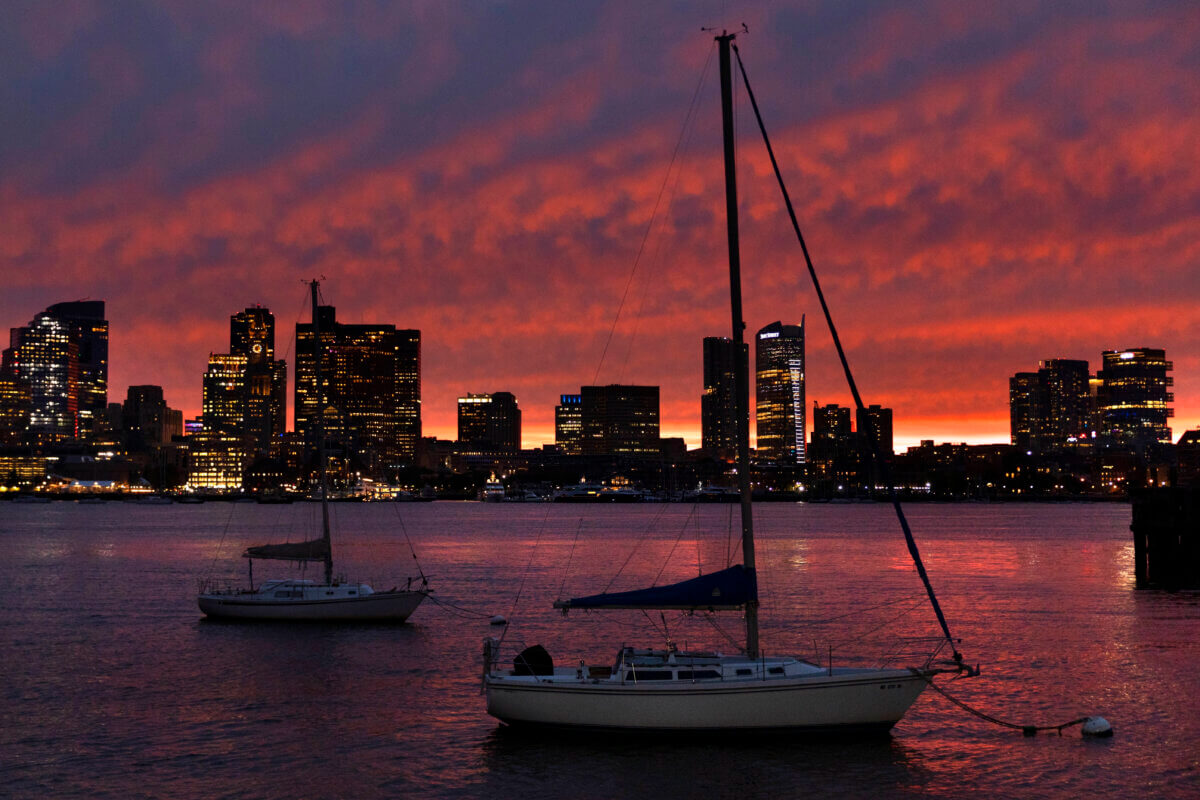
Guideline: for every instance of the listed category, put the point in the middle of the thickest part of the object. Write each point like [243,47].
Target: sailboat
[331,600]
[669,690]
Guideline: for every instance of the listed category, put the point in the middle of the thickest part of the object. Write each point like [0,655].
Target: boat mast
[319,424]
[741,400]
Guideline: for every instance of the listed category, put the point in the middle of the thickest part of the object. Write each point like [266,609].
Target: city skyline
[982,189]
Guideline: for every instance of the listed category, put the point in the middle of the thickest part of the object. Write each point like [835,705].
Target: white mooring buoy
[1097,727]
[500,620]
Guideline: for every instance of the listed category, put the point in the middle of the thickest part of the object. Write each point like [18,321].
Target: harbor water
[115,686]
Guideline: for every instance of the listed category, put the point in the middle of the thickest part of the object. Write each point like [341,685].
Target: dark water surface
[115,687]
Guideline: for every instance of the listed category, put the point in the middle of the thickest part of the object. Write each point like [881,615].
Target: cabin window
[744,671]
[698,675]
[775,670]
[650,674]
[329,593]
[351,592]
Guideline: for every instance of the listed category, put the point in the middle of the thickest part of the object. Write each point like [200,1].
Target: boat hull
[380,607]
[853,702]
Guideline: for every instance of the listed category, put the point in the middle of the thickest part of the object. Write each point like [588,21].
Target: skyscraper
[779,393]
[718,411]
[1051,407]
[252,336]
[224,399]
[143,418]
[489,423]
[372,389]
[1133,398]
[62,357]
[1026,410]
[568,424]
[620,420]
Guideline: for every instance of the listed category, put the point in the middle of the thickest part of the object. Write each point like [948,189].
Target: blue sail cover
[728,589]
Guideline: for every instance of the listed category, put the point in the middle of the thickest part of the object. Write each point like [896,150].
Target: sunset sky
[982,186]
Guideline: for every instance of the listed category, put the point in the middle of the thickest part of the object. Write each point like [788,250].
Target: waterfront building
[568,424]
[16,403]
[216,461]
[1026,404]
[224,399]
[718,414]
[620,419]
[1134,398]
[779,393]
[144,418]
[489,423]
[62,357]
[264,403]
[372,390]
[1053,407]
[833,454]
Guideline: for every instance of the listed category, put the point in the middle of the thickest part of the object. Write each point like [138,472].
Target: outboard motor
[533,661]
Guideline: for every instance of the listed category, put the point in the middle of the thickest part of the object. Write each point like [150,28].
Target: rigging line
[646,235]
[224,532]
[653,523]
[862,635]
[570,557]
[411,549]
[528,566]
[678,539]
[884,469]
[690,129]
[711,619]
[859,612]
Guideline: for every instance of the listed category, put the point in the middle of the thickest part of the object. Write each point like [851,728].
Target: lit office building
[489,423]
[16,402]
[62,357]
[568,424]
[1026,414]
[371,376]
[216,461]
[718,409]
[252,335]
[779,393]
[1134,400]
[833,454]
[225,394]
[620,420]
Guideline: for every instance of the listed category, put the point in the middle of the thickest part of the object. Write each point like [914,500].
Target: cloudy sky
[537,187]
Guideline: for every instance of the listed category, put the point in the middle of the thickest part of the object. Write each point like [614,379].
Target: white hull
[394,606]
[848,700]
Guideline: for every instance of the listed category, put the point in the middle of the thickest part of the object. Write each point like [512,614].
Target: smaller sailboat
[300,600]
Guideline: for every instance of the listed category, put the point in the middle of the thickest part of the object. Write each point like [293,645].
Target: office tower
[143,418]
[264,412]
[1133,398]
[62,357]
[16,402]
[489,423]
[1026,410]
[371,376]
[224,400]
[620,420]
[779,393]
[1069,411]
[877,420]
[568,424]
[718,409]
[833,454]
[408,394]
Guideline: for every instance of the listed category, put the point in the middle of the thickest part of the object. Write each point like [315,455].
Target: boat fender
[1097,728]
[498,620]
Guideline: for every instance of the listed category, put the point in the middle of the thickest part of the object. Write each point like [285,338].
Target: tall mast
[319,423]
[741,399]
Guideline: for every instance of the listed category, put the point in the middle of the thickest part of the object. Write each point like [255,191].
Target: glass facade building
[779,393]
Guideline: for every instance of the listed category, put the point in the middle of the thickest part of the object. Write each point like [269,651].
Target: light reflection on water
[116,687]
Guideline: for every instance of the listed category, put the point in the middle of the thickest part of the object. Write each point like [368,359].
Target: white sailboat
[672,690]
[332,600]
